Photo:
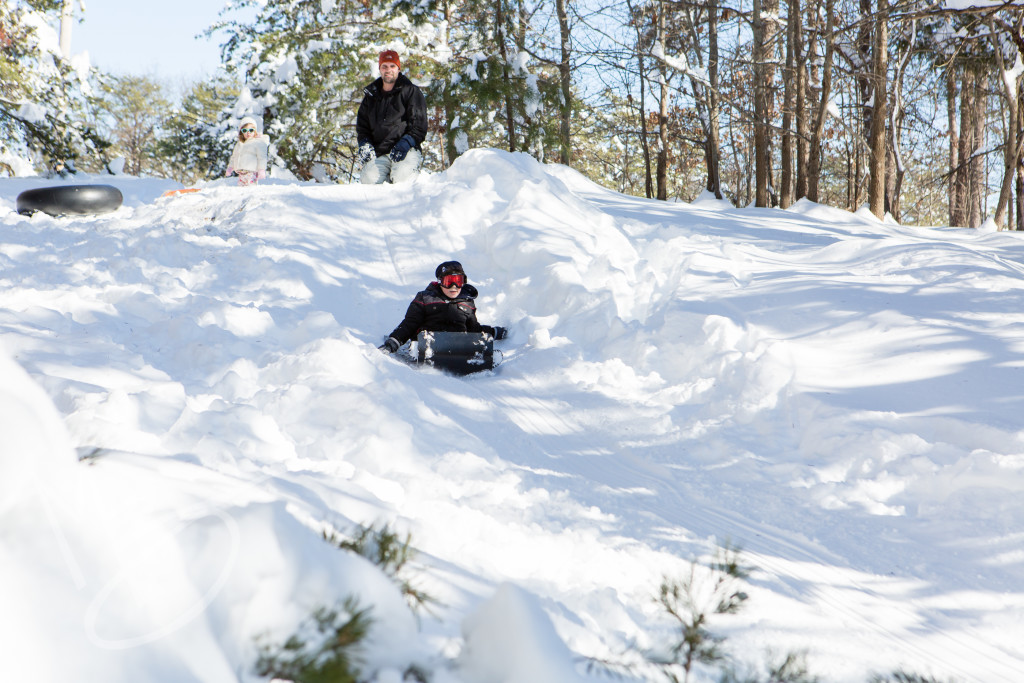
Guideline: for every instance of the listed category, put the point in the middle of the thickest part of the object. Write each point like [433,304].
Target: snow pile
[838,396]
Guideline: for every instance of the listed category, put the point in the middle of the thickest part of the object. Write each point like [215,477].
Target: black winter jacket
[432,310]
[384,117]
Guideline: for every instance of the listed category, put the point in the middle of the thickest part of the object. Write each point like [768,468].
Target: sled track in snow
[553,431]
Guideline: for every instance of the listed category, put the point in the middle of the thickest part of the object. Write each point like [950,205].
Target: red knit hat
[389,56]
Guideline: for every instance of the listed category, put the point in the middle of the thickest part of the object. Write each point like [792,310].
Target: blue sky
[142,37]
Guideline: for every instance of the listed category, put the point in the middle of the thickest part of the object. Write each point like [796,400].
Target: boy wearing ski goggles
[446,305]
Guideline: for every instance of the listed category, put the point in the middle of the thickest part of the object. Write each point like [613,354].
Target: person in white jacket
[249,157]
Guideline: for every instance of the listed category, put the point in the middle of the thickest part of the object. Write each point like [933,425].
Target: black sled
[457,353]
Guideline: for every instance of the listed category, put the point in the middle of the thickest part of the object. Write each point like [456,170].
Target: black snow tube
[457,353]
[70,200]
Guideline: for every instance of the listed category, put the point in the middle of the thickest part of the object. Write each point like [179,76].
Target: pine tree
[494,89]
[193,145]
[304,65]
[42,95]
[133,109]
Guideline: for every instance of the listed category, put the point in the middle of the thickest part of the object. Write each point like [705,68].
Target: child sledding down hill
[446,305]
[249,157]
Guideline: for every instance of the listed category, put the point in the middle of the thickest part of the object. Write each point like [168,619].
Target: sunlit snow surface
[191,393]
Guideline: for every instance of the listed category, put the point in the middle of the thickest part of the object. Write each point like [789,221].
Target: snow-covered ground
[191,394]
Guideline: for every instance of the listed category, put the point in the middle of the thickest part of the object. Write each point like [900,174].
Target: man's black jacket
[432,310]
[384,117]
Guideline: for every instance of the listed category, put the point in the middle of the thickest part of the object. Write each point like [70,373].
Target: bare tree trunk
[815,144]
[706,101]
[955,202]
[1012,146]
[786,189]
[896,168]
[964,150]
[706,97]
[646,146]
[802,123]
[861,72]
[565,77]
[448,101]
[520,26]
[66,13]
[879,65]
[852,176]
[978,184]
[740,163]
[642,75]
[762,160]
[858,176]
[1020,161]
[894,179]
[662,170]
[968,171]
[712,150]
[510,118]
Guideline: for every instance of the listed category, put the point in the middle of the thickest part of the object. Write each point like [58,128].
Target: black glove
[500,332]
[401,148]
[389,346]
[365,153]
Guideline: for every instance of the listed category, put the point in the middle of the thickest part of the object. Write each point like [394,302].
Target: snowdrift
[192,396]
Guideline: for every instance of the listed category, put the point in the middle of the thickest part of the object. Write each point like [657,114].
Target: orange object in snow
[184,190]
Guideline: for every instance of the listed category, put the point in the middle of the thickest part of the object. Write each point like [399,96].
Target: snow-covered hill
[191,394]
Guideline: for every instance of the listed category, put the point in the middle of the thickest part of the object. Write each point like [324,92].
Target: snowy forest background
[911,107]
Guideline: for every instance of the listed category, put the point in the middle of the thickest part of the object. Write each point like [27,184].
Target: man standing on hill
[390,125]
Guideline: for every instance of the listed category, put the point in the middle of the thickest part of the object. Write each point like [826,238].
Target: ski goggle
[453,280]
